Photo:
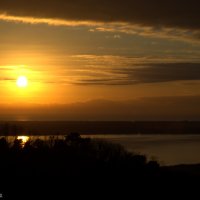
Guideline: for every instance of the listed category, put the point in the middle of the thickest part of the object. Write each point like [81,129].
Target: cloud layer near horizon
[114,71]
[142,73]
[171,13]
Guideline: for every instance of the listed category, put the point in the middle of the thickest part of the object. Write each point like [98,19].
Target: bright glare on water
[23,138]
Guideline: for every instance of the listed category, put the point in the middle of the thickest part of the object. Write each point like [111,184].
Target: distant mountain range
[167,108]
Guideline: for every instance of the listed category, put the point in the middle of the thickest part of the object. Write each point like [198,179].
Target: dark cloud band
[153,73]
[169,13]
[148,73]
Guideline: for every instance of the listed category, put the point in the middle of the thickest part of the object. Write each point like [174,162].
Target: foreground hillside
[74,164]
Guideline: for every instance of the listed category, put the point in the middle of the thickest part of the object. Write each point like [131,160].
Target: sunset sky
[100,60]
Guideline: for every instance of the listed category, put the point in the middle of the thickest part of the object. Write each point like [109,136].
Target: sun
[22,82]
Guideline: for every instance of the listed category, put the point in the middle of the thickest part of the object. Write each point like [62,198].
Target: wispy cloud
[186,35]
[109,70]
[49,21]
[171,13]
[145,73]
[122,70]
[175,19]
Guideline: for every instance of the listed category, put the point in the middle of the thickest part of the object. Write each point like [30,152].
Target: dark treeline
[98,127]
[72,156]
[68,165]
[78,166]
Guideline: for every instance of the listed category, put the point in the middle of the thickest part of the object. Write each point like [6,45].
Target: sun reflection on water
[23,138]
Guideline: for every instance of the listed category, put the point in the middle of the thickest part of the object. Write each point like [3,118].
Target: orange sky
[69,59]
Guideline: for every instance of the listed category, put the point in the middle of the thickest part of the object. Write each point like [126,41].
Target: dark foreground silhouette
[81,166]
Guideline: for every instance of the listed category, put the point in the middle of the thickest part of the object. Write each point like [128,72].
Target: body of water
[166,149]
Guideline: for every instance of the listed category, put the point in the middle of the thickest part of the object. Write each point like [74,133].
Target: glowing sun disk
[22,81]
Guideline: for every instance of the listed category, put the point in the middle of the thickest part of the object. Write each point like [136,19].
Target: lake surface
[166,149]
